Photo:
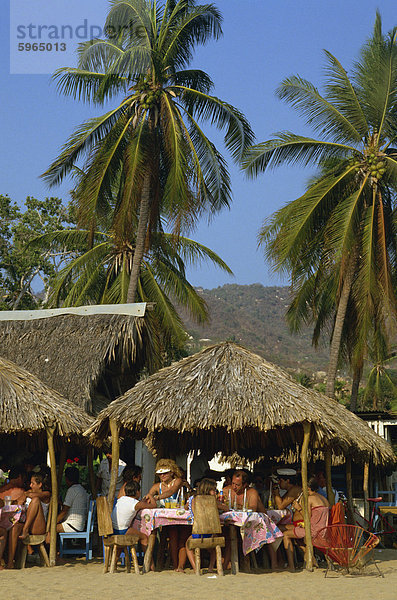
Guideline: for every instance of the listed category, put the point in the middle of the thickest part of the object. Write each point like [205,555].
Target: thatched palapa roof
[27,405]
[225,398]
[73,354]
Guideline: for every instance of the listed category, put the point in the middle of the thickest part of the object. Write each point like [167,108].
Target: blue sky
[263,43]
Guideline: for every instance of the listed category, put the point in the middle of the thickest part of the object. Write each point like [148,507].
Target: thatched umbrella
[79,355]
[226,398]
[31,411]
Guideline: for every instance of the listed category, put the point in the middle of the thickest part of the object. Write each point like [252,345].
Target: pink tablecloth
[279,516]
[9,515]
[257,529]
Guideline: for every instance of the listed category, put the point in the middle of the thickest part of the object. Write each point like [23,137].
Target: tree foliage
[337,242]
[22,267]
[151,142]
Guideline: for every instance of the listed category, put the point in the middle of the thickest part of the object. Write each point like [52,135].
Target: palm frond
[291,149]
[321,114]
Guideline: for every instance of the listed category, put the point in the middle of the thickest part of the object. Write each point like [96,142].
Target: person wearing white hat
[171,480]
[288,481]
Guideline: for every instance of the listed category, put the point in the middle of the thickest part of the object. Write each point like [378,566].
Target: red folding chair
[347,546]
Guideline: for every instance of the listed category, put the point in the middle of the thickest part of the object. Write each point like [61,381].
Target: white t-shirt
[104,474]
[77,500]
[124,512]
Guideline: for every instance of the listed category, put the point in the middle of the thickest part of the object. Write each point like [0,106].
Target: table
[9,515]
[256,528]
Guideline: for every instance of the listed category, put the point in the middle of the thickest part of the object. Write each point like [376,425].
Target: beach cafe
[224,400]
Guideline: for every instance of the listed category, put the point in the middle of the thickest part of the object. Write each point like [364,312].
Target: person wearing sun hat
[171,481]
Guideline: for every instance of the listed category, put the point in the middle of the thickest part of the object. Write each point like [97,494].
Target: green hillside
[253,315]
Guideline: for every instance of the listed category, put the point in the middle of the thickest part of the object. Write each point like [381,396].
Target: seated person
[171,481]
[319,512]
[15,488]
[288,481]
[74,511]
[206,487]
[130,473]
[125,509]
[239,485]
[38,502]
[235,495]
[322,486]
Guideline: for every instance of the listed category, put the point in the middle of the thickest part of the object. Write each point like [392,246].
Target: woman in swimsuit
[170,484]
[319,513]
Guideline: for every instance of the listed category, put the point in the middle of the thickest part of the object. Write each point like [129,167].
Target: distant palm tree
[338,240]
[380,389]
[152,139]
[101,275]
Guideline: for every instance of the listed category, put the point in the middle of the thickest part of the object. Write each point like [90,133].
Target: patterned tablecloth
[257,529]
[9,515]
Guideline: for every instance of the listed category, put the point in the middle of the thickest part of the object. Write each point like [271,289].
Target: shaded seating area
[34,416]
[227,399]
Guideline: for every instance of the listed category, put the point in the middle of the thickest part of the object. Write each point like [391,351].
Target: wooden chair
[206,521]
[36,540]
[110,540]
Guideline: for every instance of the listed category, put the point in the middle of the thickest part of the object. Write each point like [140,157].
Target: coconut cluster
[149,98]
[149,93]
[376,166]
[373,164]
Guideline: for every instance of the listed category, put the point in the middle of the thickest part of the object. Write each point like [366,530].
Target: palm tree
[151,140]
[101,274]
[380,389]
[338,240]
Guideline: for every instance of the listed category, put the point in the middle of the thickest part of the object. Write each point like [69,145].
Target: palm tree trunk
[144,210]
[338,327]
[355,386]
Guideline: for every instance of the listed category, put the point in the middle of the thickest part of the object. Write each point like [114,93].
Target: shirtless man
[287,481]
[239,485]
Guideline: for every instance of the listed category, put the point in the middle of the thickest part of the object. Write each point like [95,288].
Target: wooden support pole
[114,429]
[149,553]
[62,462]
[219,566]
[91,474]
[197,560]
[234,549]
[349,491]
[328,462]
[365,490]
[50,430]
[306,515]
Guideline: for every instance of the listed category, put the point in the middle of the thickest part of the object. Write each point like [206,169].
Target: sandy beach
[78,580]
